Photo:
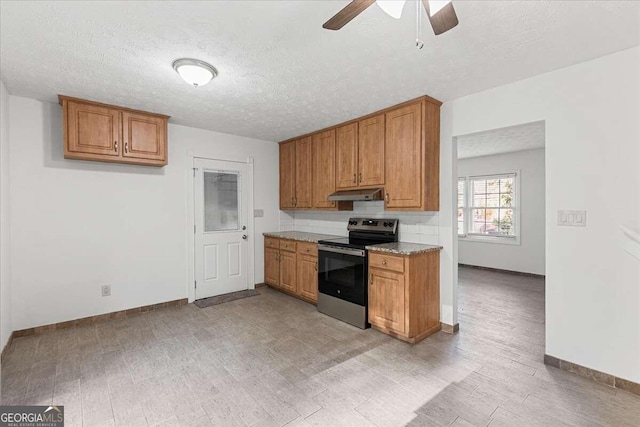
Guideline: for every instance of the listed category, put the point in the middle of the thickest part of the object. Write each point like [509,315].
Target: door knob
[244,227]
[244,236]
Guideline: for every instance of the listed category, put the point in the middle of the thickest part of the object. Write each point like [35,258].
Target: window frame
[468,207]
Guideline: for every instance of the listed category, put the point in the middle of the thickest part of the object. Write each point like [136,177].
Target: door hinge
[195,284]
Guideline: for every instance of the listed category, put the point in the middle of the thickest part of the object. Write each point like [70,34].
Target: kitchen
[130,191]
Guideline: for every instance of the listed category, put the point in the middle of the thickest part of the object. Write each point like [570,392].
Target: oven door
[342,273]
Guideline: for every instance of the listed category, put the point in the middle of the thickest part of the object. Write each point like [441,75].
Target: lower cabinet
[292,267]
[404,294]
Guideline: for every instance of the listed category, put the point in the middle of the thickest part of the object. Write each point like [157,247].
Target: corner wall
[79,225]
[528,256]
[5,240]
[591,112]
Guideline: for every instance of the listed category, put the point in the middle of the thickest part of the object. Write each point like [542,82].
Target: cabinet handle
[316,265]
[384,262]
[371,279]
[307,250]
[126,147]
[115,146]
[354,178]
[386,198]
[360,177]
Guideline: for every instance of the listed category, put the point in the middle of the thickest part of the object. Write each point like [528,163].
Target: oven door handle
[344,251]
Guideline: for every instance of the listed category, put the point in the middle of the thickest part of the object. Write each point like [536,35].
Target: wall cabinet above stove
[397,148]
[106,133]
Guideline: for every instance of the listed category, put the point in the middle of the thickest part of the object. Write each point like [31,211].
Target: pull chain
[419,42]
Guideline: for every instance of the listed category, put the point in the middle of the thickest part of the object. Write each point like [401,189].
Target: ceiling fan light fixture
[195,72]
[436,6]
[392,8]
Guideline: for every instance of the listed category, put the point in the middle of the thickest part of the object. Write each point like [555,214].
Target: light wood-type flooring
[272,360]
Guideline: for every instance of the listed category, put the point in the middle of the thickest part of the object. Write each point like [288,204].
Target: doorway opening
[501,239]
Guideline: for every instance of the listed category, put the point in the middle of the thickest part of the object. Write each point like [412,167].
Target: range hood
[356,195]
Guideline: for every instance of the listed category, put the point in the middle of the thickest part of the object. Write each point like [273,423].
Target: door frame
[190,223]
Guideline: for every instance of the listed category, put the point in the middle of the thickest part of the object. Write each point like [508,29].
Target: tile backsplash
[415,227]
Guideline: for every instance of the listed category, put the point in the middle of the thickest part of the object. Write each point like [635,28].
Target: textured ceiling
[506,140]
[281,74]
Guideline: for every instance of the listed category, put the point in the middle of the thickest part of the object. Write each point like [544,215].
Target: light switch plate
[572,218]
[258,213]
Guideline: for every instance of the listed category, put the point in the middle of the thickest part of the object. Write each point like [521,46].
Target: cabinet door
[308,277]
[287,174]
[347,156]
[288,271]
[304,173]
[144,137]
[92,131]
[271,266]
[387,300]
[403,154]
[371,151]
[324,168]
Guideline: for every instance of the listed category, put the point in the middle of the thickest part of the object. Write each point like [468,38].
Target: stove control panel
[380,225]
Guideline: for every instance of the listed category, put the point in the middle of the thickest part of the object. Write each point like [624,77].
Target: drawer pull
[384,262]
[115,143]
[307,249]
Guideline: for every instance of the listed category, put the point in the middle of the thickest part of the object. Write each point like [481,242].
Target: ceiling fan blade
[349,12]
[444,20]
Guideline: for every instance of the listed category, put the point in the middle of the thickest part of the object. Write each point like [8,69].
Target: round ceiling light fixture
[195,72]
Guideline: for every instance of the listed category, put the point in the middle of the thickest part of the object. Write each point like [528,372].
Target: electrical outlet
[106,290]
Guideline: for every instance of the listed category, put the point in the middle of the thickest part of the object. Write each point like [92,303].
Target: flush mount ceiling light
[195,72]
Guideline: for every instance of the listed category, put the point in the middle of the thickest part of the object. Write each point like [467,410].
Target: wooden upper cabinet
[304,174]
[371,151]
[94,131]
[287,175]
[347,156]
[324,168]
[403,158]
[144,137]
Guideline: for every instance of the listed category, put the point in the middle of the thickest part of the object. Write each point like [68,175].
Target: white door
[221,234]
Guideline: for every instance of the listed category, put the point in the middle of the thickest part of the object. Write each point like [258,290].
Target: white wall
[528,256]
[5,265]
[79,225]
[592,118]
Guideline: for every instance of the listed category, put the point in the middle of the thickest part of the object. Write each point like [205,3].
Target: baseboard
[499,270]
[5,349]
[97,319]
[260,285]
[592,374]
[449,329]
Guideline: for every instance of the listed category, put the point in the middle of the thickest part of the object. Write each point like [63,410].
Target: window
[462,183]
[487,207]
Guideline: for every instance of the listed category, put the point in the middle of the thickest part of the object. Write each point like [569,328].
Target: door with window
[221,234]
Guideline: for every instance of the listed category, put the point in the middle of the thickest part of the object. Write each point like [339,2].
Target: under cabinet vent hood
[356,195]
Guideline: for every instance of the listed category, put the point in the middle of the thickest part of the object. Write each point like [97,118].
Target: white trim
[190,183]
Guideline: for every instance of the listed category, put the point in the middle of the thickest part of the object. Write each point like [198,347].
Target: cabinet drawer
[287,245]
[271,242]
[386,262]
[308,249]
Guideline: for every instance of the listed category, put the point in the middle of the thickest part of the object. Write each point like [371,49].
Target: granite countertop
[403,248]
[300,236]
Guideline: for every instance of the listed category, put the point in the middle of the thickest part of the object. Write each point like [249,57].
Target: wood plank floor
[272,360]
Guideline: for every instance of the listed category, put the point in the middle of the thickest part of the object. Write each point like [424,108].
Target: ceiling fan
[440,12]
